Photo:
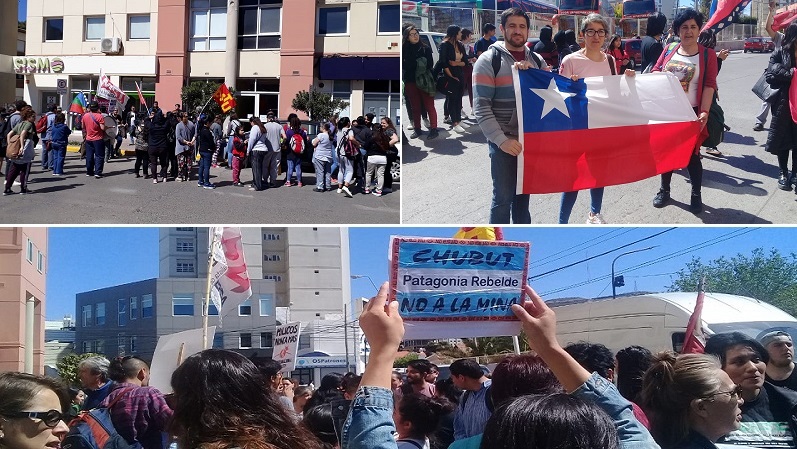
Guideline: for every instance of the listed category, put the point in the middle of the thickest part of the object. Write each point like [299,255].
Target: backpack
[93,429]
[346,147]
[297,143]
[497,60]
[41,124]
[4,130]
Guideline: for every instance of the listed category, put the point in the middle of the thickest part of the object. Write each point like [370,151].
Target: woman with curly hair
[223,401]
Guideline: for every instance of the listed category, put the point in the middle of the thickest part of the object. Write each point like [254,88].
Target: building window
[99,313]
[315,250]
[121,344]
[84,347]
[87,316]
[245,341]
[185,246]
[259,27]
[95,28]
[304,341]
[146,306]
[266,340]
[133,308]
[185,229]
[218,340]
[389,18]
[138,27]
[245,308]
[39,261]
[29,251]
[266,305]
[208,25]
[122,305]
[183,305]
[133,344]
[271,236]
[54,29]
[273,277]
[333,21]
[212,310]
[185,266]
[271,257]
[99,346]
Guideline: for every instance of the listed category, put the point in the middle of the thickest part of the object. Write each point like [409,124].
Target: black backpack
[5,129]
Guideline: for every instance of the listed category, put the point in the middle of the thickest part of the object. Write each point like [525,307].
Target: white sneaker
[346,191]
[410,127]
[427,123]
[458,129]
[340,190]
[595,219]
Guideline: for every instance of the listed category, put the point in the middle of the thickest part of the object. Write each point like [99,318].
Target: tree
[198,93]
[317,105]
[67,367]
[493,345]
[771,277]
[403,361]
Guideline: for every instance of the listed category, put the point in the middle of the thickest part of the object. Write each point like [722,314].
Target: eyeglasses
[50,418]
[735,393]
[592,33]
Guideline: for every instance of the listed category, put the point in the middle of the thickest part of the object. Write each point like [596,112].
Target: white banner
[231,288]
[108,90]
[286,343]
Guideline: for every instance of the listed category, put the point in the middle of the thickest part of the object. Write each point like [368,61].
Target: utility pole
[614,287]
[346,332]
[231,45]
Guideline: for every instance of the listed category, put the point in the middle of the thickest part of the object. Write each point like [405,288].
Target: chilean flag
[600,131]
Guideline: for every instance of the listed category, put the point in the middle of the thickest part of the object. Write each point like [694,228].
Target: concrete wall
[172,45]
[8,49]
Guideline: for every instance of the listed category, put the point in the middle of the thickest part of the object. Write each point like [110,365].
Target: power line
[603,238]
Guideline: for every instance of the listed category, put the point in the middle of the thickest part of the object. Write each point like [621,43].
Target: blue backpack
[93,429]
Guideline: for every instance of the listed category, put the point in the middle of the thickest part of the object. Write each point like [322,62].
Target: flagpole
[206,104]
[206,306]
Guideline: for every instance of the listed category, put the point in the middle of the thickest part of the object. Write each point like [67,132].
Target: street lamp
[360,276]
[614,285]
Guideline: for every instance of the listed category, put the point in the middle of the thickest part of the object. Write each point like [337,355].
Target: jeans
[761,118]
[259,169]
[228,149]
[345,171]
[58,154]
[335,164]
[119,140]
[132,137]
[323,174]
[294,162]
[569,199]
[13,170]
[377,170]
[204,168]
[95,157]
[503,168]
[47,158]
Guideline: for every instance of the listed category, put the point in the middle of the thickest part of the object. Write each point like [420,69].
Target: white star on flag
[553,98]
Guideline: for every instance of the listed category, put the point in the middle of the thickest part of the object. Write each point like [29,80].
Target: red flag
[695,340]
[141,96]
[784,17]
[224,98]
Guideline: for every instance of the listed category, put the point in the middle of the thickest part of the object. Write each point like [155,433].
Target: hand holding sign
[538,320]
[384,329]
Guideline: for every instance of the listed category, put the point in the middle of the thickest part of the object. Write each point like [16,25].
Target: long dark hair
[405,34]
[296,124]
[451,37]
[328,128]
[222,400]
[258,123]
[611,43]
[423,413]
[789,38]
[319,421]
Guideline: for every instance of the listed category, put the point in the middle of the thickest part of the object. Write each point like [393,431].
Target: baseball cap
[769,337]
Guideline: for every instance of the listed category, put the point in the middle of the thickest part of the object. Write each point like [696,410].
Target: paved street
[449,177]
[120,197]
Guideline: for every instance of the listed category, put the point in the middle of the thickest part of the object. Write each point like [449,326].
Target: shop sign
[319,362]
[38,65]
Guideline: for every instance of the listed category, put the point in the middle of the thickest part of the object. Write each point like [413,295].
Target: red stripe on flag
[694,339]
[565,161]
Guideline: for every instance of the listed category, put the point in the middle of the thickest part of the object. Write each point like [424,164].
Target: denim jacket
[370,421]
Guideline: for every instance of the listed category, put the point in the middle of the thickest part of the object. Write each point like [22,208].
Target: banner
[108,90]
[600,131]
[722,12]
[448,288]
[223,97]
[633,9]
[286,343]
[230,283]
[784,17]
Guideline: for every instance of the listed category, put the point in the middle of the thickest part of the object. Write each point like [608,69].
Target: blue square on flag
[552,102]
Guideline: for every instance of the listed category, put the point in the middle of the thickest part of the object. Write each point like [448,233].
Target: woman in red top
[616,50]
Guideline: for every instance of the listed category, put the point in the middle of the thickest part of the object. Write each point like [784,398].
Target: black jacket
[409,59]
[783,132]
[448,54]
[205,140]
[651,49]
[157,134]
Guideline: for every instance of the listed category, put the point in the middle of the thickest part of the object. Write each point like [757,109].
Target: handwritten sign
[286,343]
[448,288]
[171,351]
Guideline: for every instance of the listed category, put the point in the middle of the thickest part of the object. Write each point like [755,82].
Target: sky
[23,7]
[83,259]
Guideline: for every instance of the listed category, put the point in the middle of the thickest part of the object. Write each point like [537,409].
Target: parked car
[633,48]
[433,40]
[770,44]
[758,44]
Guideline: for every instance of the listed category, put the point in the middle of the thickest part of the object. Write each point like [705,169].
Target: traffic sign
[61,86]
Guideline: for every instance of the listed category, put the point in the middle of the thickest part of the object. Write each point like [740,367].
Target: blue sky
[23,6]
[82,259]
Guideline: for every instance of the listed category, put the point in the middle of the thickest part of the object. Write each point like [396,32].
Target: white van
[433,41]
[658,321]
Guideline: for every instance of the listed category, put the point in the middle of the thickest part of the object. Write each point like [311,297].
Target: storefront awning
[359,68]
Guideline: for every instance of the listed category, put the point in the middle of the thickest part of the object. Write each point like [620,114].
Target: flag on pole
[784,17]
[695,341]
[485,233]
[108,90]
[224,98]
[78,105]
[580,135]
[230,283]
[141,96]
[722,13]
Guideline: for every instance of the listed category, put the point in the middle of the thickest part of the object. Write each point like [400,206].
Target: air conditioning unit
[111,45]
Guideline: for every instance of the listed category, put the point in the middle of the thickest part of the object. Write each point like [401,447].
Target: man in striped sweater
[495,106]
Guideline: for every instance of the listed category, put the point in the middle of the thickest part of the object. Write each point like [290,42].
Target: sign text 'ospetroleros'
[443,284]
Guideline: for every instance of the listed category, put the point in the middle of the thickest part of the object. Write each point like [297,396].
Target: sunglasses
[735,393]
[50,418]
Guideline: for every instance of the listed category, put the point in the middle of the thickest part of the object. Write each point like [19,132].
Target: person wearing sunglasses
[31,412]
[769,413]
[690,401]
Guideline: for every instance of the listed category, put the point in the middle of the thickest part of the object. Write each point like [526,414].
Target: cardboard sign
[448,288]
[286,343]
[171,352]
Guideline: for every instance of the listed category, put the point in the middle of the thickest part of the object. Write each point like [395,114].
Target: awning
[359,68]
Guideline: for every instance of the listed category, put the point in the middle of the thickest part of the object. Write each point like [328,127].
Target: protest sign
[108,90]
[286,343]
[171,351]
[448,288]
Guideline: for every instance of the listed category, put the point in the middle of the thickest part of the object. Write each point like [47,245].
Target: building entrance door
[256,104]
[48,99]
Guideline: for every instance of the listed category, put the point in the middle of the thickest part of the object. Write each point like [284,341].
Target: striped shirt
[472,413]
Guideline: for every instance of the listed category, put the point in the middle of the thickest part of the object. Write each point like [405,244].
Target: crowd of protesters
[348,157]
[742,391]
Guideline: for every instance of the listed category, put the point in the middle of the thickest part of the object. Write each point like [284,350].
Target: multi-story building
[268,50]
[59,341]
[298,274]
[23,267]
